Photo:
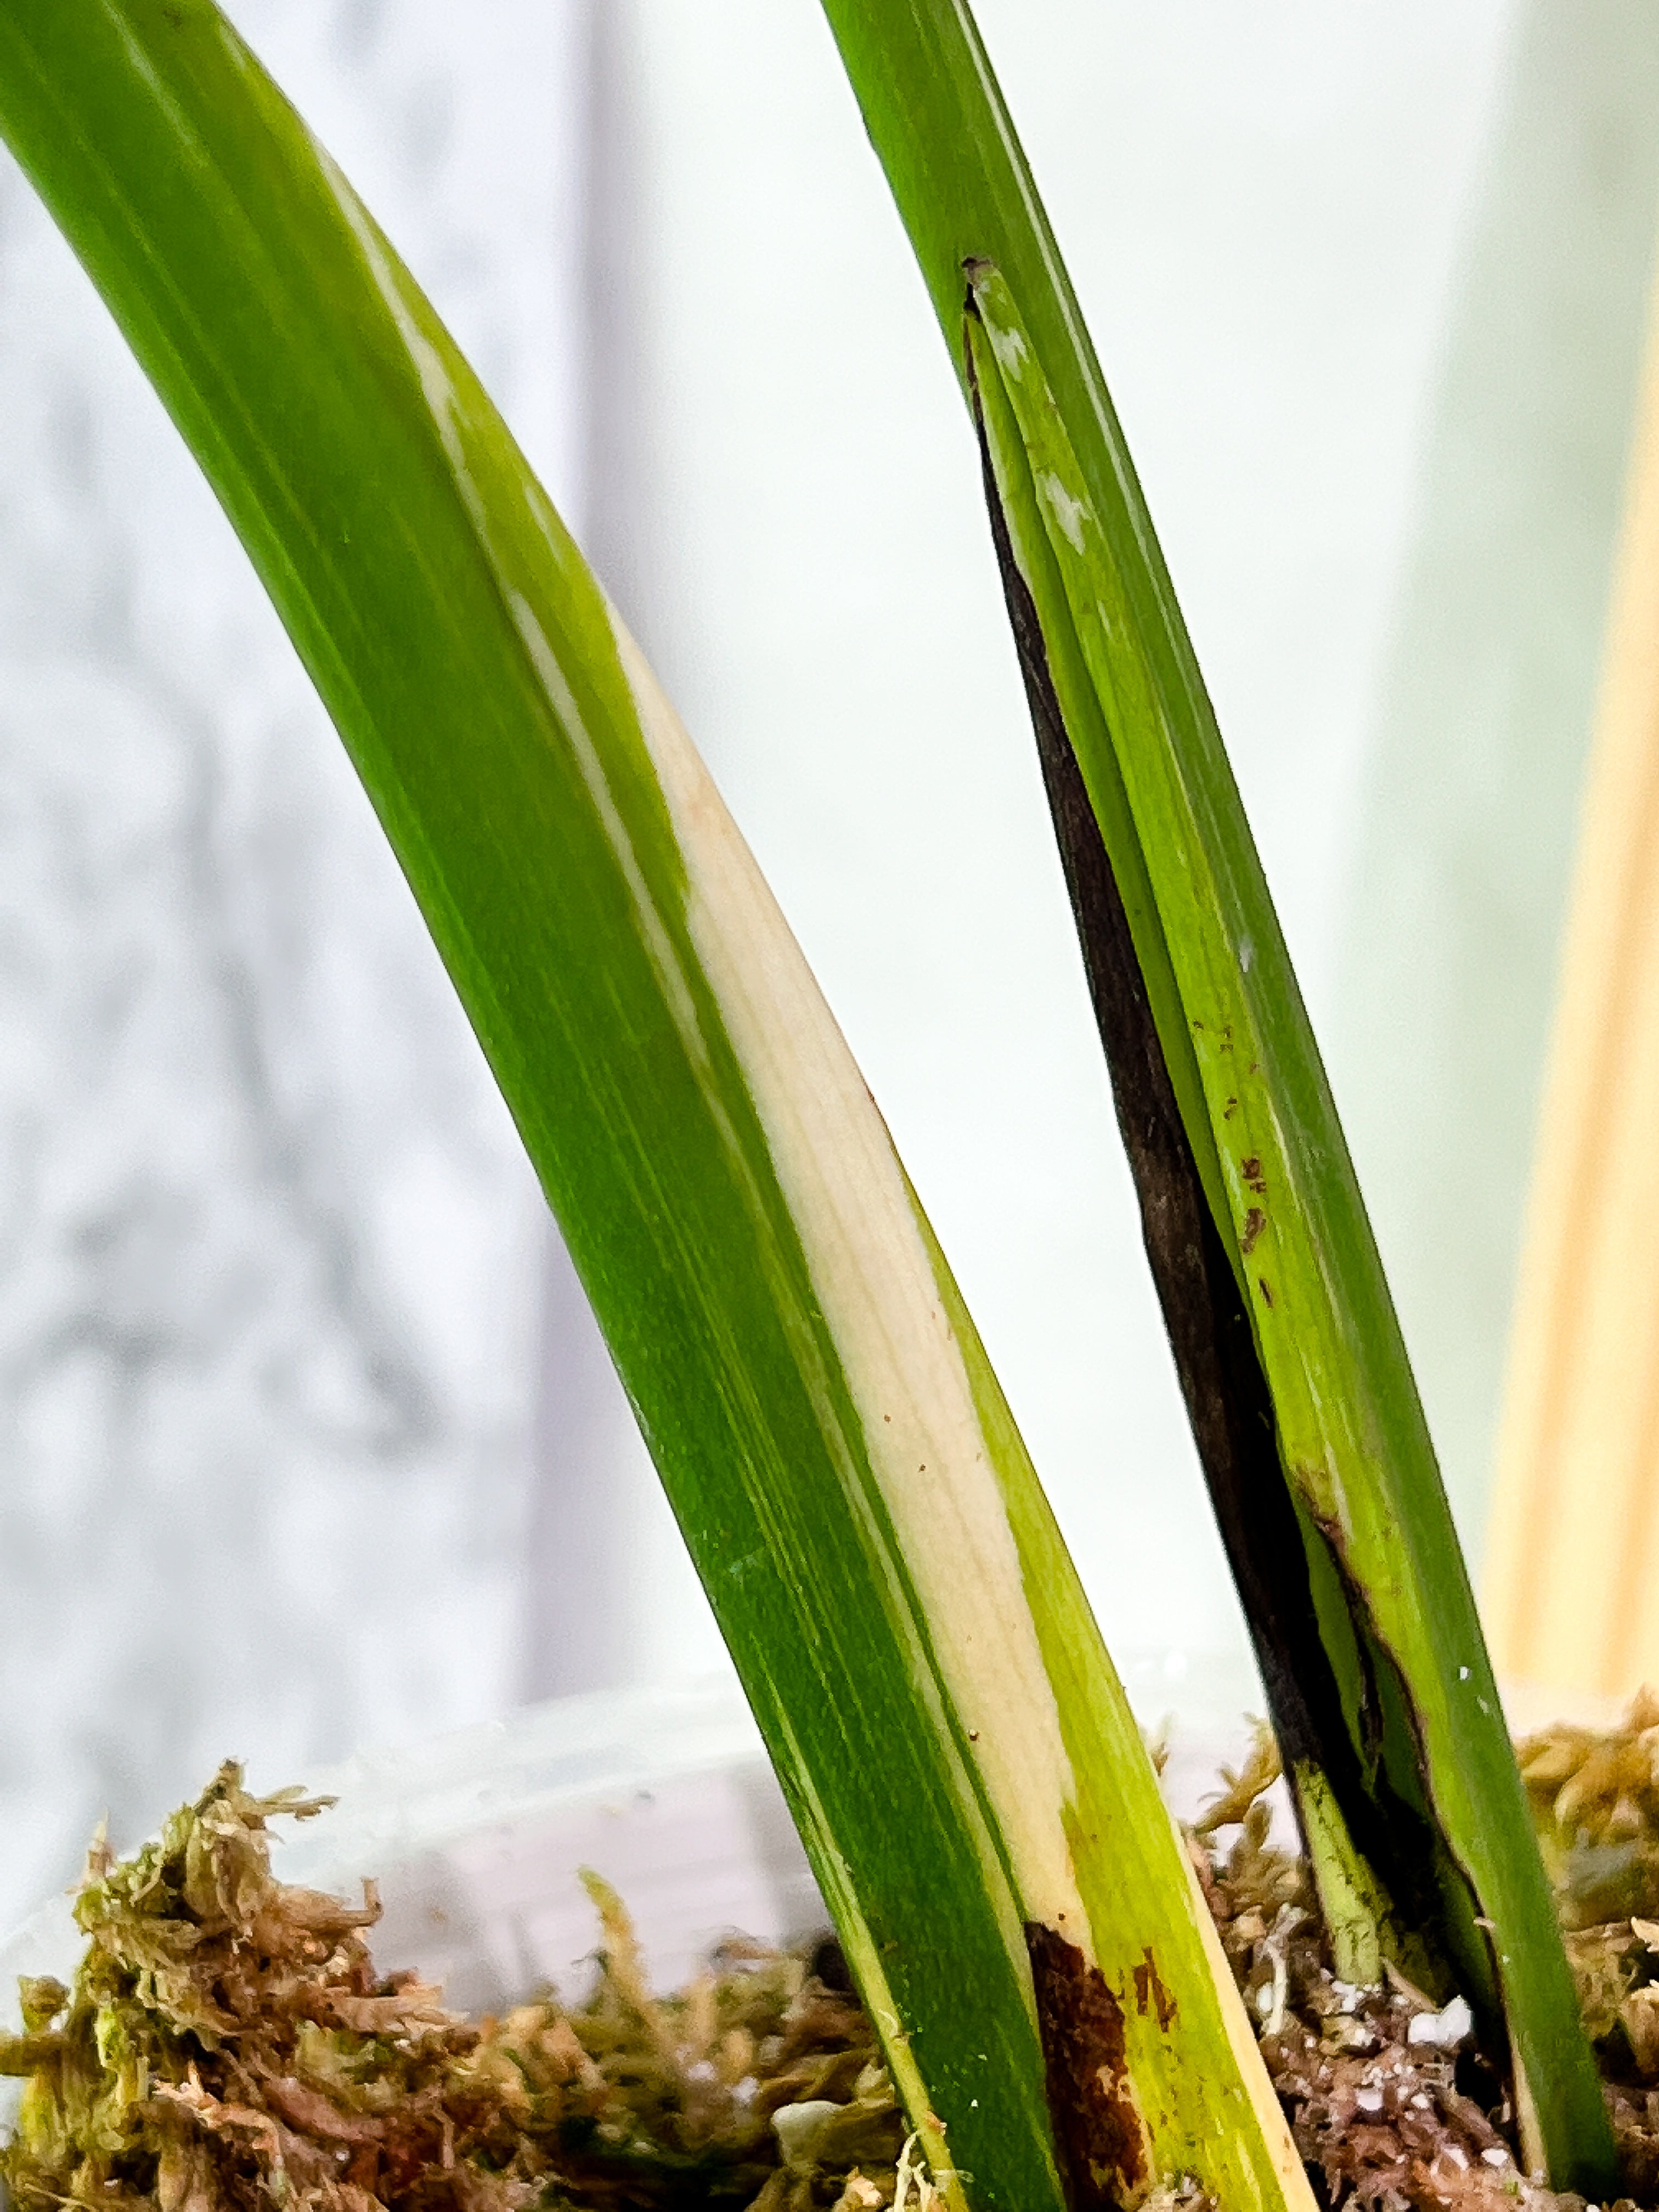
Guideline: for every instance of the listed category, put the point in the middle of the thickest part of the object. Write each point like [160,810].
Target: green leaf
[1296,1378]
[987,1830]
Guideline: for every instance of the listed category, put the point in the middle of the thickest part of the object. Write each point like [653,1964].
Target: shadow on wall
[1466,837]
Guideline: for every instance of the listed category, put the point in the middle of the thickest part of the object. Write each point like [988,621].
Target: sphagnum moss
[230,2042]
[228,2045]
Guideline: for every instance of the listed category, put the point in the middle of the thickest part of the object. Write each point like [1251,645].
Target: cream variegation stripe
[873,1277]
[873,1270]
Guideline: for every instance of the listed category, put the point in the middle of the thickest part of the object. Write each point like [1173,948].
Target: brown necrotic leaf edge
[1229,1403]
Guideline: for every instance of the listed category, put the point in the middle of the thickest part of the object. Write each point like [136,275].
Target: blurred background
[307,1442]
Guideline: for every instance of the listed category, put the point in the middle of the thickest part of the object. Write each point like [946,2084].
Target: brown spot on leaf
[1266,1294]
[1098,2126]
[1254,1222]
[1150,1991]
[1250,1168]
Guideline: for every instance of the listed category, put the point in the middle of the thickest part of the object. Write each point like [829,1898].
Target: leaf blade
[1404,1740]
[853,1490]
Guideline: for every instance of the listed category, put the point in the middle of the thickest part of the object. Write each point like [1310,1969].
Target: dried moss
[228,2045]
[1594,1794]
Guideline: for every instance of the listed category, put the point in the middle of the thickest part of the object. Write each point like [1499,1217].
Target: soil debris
[1377,2081]
[1390,2104]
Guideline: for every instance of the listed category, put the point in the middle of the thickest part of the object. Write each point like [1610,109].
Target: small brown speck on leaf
[1150,1991]
[1250,1168]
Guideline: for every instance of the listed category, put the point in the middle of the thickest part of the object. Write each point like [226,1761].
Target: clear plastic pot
[477,1839]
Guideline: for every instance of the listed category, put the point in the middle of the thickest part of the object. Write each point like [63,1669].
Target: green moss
[229,2042]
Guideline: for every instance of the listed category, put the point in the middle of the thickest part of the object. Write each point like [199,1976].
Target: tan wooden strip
[1571,1586]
